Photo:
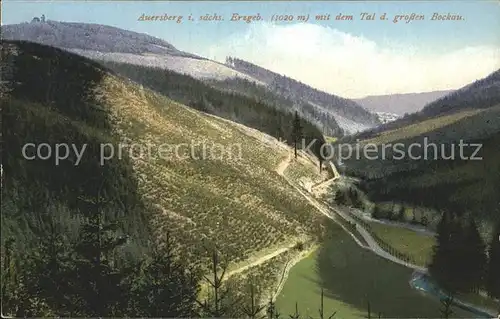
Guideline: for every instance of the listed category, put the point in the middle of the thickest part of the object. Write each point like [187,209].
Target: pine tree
[401,213]
[474,258]
[296,131]
[457,258]
[376,212]
[97,282]
[493,269]
[442,260]
[252,309]
[12,285]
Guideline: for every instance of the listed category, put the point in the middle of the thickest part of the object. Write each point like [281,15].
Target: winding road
[334,213]
[330,212]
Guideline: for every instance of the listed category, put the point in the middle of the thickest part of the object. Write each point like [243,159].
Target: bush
[299,246]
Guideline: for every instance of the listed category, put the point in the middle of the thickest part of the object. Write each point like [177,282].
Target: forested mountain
[462,179]
[108,43]
[483,93]
[105,43]
[89,36]
[350,115]
[260,113]
[131,235]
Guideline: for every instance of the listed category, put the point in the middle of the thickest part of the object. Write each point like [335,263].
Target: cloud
[353,66]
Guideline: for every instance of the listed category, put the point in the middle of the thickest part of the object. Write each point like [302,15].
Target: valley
[179,186]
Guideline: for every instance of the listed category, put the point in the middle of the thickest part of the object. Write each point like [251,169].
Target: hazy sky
[348,58]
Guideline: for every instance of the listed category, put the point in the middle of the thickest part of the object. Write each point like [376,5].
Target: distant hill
[350,116]
[470,115]
[480,94]
[89,36]
[109,43]
[400,103]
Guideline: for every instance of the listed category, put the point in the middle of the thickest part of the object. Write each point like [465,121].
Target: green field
[416,245]
[351,277]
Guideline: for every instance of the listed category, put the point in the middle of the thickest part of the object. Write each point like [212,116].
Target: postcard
[250,159]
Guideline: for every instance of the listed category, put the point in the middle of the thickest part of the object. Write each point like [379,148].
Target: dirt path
[324,183]
[329,212]
[281,169]
[333,214]
[284,164]
[257,262]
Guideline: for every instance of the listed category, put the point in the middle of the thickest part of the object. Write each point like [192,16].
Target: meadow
[352,277]
[416,245]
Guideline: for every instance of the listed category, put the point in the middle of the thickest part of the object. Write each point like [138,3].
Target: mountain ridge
[344,110]
[90,36]
[106,43]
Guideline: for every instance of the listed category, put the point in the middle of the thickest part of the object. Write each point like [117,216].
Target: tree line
[462,262]
[317,116]
[298,91]
[202,96]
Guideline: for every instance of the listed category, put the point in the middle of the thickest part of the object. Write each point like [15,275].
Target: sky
[351,58]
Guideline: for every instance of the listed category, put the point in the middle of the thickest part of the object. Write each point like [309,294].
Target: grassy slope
[351,277]
[254,111]
[209,198]
[241,204]
[201,201]
[302,169]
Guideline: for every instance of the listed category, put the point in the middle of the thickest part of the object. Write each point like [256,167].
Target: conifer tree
[164,286]
[97,282]
[219,302]
[493,269]
[446,310]
[49,263]
[252,309]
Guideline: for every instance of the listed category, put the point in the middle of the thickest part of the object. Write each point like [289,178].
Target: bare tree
[446,310]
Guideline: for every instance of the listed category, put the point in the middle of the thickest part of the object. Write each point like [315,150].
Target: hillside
[90,36]
[463,185]
[350,116]
[325,121]
[254,111]
[222,185]
[400,103]
[482,93]
[108,43]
